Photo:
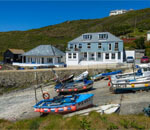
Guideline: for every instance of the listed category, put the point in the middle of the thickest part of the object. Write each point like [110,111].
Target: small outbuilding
[13,55]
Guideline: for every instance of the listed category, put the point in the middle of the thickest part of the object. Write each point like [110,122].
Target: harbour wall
[19,78]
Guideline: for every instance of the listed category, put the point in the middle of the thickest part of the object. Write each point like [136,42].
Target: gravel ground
[19,105]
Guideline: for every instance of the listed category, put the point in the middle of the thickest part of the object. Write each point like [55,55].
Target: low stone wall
[19,78]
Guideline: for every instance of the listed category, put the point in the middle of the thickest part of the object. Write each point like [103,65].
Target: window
[109,46]
[71,46]
[99,45]
[113,56]
[49,60]
[80,45]
[74,55]
[85,54]
[107,56]
[89,45]
[87,37]
[103,36]
[116,46]
[69,55]
[119,55]
[99,55]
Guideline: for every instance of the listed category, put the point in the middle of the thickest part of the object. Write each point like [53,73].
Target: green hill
[133,23]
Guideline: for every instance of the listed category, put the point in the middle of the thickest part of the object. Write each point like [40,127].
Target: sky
[30,14]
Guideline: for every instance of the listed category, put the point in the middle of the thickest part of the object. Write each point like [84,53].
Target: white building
[95,48]
[148,36]
[117,12]
[43,55]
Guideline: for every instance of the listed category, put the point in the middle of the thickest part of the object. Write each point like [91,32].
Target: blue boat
[98,76]
[64,104]
[74,87]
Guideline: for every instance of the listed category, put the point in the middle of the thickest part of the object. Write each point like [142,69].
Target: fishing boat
[74,87]
[81,76]
[64,104]
[142,72]
[130,86]
[98,76]
[146,111]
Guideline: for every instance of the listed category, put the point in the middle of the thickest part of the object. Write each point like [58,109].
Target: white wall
[148,36]
[130,53]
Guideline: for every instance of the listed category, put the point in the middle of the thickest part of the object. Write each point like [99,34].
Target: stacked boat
[131,82]
[79,84]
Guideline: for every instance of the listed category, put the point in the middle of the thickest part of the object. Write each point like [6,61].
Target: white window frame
[69,55]
[99,45]
[106,56]
[109,47]
[99,56]
[74,55]
[113,56]
[80,45]
[116,44]
[89,45]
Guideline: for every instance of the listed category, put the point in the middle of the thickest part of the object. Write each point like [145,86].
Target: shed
[13,55]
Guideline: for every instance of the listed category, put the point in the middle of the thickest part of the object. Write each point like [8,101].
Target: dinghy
[74,87]
[81,76]
[104,109]
[98,76]
[64,104]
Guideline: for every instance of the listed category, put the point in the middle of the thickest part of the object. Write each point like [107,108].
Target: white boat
[81,76]
[104,109]
[142,74]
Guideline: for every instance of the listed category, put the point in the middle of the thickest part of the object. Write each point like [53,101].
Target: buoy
[75,89]
[132,85]
[146,85]
[73,108]
[84,87]
[57,90]
[65,108]
[49,110]
[42,110]
[109,83]
[62,89]
[46,95]
[56,109]
[70,90]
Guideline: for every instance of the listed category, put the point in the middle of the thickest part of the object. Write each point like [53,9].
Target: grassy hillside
[133,23]
[94,121]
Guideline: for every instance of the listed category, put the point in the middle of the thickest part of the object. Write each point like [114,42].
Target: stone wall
[21,78]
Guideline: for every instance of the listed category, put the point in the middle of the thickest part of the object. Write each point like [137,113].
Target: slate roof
[16,51]
[95,38]
[44,50]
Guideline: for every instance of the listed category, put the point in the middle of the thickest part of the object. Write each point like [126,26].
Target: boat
[74,87]
[133,86]
[146,111]
[142,72]
[64,79]
[98,76]
[104,109]
[64,104]
[81,76]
